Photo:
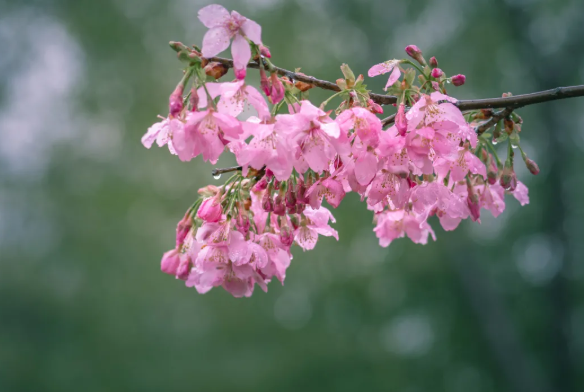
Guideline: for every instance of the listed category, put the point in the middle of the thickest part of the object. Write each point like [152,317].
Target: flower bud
[508,178]
[435,86]
[301,193]
[265,51]
[492,170]
[290,197]
[400,120]
[279,206]
[175,101]
[194,99]
[277,89]
[436,73]
[208,191]
[182,228]
[414,52]
[184,268]
[531,165]
[170,262]
[264,82]
[216,70]
[210,210]
[286,235]
[242,223]
[260,185]
[292,210]
[458,80]
[300,208]
[374,107]
[267,202]
[474,206]
[433,62]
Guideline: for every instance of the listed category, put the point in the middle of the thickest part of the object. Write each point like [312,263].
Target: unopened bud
[216,70]
[474,206]
[265,51]
[267,202]
[290,197]
[260,185]
[286,235]
[400,120]
[301,193]
[492,170]
[264,82]
[175,101]
[279,206]
[277,89]
[508,178]
[242,223]
[531,165]
[433,62]
[182,228]
[184,268]
[414,52]
[302,86]
[458,80]
[374,107]
[436,73]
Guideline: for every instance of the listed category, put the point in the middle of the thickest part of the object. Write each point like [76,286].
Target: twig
[514,101]
[218,172]
[388,120]
[493,120]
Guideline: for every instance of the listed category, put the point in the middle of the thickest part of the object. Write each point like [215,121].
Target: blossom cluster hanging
[294,155]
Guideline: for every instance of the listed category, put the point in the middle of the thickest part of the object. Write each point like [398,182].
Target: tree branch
[514,102]
[493,120]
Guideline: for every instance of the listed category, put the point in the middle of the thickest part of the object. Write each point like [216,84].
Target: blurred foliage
[86,212]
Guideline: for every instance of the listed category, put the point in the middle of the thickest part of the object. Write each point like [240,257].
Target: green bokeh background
[86,212]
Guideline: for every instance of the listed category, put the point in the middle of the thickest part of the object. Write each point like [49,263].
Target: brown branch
[514,102]
[218,172]
[493,120]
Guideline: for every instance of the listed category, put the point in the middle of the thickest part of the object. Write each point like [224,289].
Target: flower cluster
[294,155]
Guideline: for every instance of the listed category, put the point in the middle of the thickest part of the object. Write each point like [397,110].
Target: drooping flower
[329,188]
[222,28]
[161,132]
[315,223]
[399,223]
[235,95]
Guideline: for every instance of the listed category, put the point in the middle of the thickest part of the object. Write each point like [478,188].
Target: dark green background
[86,212]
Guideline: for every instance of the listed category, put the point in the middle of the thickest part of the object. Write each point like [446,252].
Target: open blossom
[204,133]
[222,28]
[161,133]
[235,95]
[315,224]
[317,137]
[385,67]
[397,224]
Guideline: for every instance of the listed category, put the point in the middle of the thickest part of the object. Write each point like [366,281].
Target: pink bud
[260,185]
[286,235]
[242,223]
[492,170]
[414,52]
[374,107]
[182,229]
[290,197]
[170,262]
[437,72]
[194,99]
[433,62]
[458,80]
[277,89]
[508,179]
[435,86]
[264,51]
[175,101]
[264,82]
[400,120]
[475,209]
[301,193]
[184,268]
[279,206]
[210,210]
[267,202]
[532,166]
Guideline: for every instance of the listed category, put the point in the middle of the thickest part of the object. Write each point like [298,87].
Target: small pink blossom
[521,193]
[397,224]
[458,80]
[235,95]
[385,67]
[210,209]
[316,224]
[222,28]
[328,188]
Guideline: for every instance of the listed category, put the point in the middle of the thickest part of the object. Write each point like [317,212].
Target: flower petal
[253,31]
[214,15]
[215,41]
[241,55]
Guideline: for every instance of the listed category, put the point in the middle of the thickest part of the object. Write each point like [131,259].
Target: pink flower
[435,198]
[222,28]
[268,147]
[328,188]
[414,52]
[161,132]
[400,120]
[203,134]
[436,73]
[397,224]
[385,67]
[458,80]
[210,210]
[388,185]
[491,197]
[170,262]
[316,223]
[459,168]
[366,125]
[235,95]
[278,257]
[317,137]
